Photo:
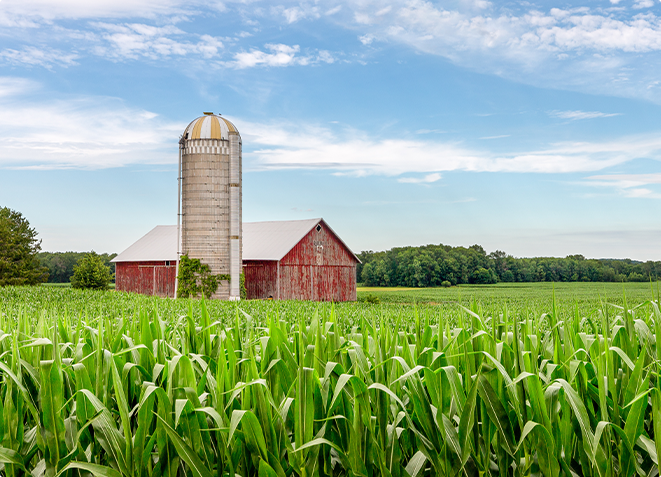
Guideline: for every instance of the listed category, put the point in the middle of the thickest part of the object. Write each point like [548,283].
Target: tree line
[444,265]
[60,265]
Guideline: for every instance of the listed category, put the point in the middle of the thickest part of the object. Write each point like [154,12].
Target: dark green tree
[91,272]
[19,264]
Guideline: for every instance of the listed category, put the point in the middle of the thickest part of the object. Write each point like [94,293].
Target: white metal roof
[272,240]
[160,243]
[261,241]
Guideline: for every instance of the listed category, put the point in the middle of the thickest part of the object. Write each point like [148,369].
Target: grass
[517,297]
[112,384]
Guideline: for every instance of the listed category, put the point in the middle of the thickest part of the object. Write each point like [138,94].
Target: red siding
[261,279]
[147,278]
[318,268]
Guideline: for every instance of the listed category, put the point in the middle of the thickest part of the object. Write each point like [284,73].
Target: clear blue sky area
[532,128]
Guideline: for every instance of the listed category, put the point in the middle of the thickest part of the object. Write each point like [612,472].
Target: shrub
[92,273]
[195,277]
[373,299]
[446,284]
[242,287]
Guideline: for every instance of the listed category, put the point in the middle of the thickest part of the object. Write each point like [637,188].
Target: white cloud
[429,178]
[334,10]
[592,50]
[430,131]
[495,137]
[297,147]
[628,185]
[13,87]
[641,193]
[279,55]
[31,56]
[643,4]
[558,30]
[293,14]
[79,132]
[366,39]
[575,115]
[121,41]
[298,12]
[100,132]
[49,9]
[629,180]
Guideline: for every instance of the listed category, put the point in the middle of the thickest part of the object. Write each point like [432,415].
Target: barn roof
[272,240]
[261,241]
[160,243]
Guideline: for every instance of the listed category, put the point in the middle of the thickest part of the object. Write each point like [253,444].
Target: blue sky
[528,127]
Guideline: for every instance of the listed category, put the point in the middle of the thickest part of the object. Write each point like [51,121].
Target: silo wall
[209,215]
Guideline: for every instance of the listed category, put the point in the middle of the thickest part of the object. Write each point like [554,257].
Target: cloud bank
[92,132]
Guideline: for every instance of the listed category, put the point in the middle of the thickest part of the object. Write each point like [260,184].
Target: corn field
[328,392]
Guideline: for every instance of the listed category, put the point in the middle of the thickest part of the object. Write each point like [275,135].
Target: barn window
[167,263]
[318,227]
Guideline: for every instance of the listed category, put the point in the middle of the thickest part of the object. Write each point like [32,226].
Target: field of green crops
[482,382]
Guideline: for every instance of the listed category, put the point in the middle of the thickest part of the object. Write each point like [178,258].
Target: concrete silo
[210,198]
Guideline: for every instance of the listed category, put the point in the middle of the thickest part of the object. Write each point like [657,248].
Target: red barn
[286,260]
[149,266]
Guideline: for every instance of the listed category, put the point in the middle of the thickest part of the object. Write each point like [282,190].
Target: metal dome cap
[210,126]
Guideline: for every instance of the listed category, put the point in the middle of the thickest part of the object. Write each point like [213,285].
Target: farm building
[286,260]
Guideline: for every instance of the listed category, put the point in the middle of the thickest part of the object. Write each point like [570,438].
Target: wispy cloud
[279,55]
[99,132]
[573,48]
[12,87]
[366,39]
[80,132]
[496,137]
[288,147]
[430,131]
[575,115]
[141,40]
[75,9]
[628,185]
[643,4]
[32,56]
[429,178]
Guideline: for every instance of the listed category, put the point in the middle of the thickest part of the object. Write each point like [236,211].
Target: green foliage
[446,284]
[369,298]
[60,264]
[19,246]
[195,277]
[91,272]
[242,287]
[431,265]
[104,385]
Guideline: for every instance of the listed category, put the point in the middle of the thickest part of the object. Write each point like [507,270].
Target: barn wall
[261,279]
[318,268]
[147,278]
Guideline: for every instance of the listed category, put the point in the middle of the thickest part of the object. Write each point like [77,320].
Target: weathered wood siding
[318,268]
[147,278]
[261,279]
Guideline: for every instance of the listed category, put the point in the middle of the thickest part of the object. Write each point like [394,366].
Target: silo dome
[209,126]
[210,199]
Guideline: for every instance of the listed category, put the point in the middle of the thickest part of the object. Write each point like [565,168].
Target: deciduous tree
[91,272]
